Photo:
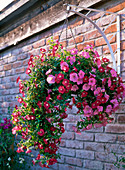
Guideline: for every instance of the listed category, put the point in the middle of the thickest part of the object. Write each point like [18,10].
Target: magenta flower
[92,81]
[96,54]
[51,79]
[109,82]
[81,74]
[73,77]
[79,81]
[63,64]
[86,87]
[108,108]
[115,102]
[74,51]
[113,73]
[100,108]
[85,54]
[107,97]
[74,88]
[97,91]
[87,111]
[49,71]
[72,60]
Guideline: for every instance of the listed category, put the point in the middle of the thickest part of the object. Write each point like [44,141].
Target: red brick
[92,35]
[81,46]
[106,49]
[26,48]
[22,56]
[102,137]
[103,156]
[123,45]
[18,64]
[121,119]
[112,28]
[56,37]
[79,39]
[39,44]
[25,62]
[89,164]
[96,16]
[101,40]
[75,23]
[7,67]
[63,43]
[74,161]
[74,144]
[122,25]
[117,8]
[84,154]
[68,135]
[115,128]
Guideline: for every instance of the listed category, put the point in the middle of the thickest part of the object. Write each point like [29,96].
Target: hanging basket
[60,79]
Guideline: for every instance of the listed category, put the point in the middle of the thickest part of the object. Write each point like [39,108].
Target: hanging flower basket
[58,80]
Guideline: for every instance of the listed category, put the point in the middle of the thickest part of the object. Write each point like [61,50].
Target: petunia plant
[60,79]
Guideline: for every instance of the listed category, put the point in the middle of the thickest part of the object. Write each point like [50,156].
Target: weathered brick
[102,137]
[63,43]
[106,20]
[73,161]
[68,135]
[115,148]
[17,64]
[7,67]
[105,157]
[22,56]
[19,70]
[5,92]
[84,154]
[74,144]
[69,126]
[121,139]
[93,165]
[76,22]
[39,43]
[26,48]
[72,118]
[68,152]
[1,68]
[56,37]
[121,109]
[108,166]
[12,59]
[101,41]
[121,119]
[63,143]
[83,28]
[115,128]
[2,74]
[112,28]
[66,167]
[61,160]
[94,146]
[14,91]
[96,130]
[85,136]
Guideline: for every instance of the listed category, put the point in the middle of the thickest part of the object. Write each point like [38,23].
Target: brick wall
[92,149]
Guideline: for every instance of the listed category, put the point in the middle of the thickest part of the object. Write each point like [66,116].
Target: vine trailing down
[58,77]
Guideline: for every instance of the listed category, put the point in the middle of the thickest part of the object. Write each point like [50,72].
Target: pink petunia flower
[85,54]
[49,71]
[97,91]
[72,60]
[115,102]
[79,81]
[74,51]
[73,77]
[81,74]
[100,108]
[109,82]
[108,108]
[107,97]
[92,81]
[113,73]
[63,65]
[86,87]
[51,79]
[87,111]
[74,88]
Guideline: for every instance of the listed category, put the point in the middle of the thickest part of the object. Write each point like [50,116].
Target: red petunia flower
[65,82]
[85,79]
[61,89]
[84,94]
[101,70]
[46,105]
